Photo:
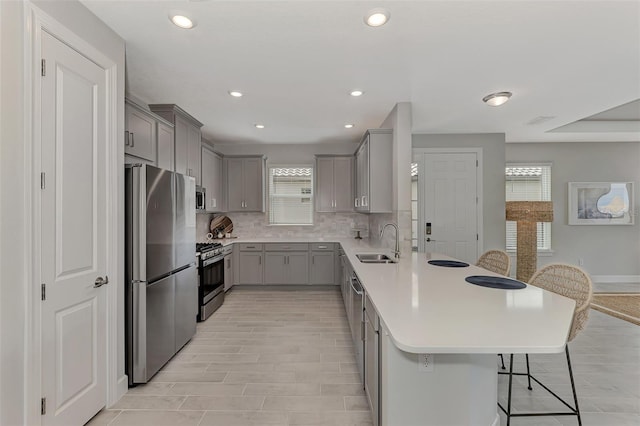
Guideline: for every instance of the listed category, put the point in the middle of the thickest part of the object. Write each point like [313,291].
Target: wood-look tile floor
[273,357]
[266,357]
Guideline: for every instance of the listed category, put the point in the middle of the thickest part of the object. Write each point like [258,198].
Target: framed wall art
[601,203]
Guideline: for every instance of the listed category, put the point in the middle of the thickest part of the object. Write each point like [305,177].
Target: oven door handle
[212,260]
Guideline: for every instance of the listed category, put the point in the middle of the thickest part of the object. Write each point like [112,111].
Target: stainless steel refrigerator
[161,275]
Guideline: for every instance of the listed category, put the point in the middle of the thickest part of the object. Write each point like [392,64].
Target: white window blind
[528,182]
[290,195]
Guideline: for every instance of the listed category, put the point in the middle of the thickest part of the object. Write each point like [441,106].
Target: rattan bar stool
[569,281]
[499,262]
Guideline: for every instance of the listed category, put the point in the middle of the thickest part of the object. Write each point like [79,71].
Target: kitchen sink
[374,258]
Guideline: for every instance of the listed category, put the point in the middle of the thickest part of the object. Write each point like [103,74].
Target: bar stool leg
[502,360]
[510,386]
[528,373]
[573,385]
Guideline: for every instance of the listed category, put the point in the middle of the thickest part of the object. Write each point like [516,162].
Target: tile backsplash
[248,225]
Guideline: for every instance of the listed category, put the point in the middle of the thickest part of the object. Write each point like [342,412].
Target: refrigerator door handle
[139,323]
[139,229]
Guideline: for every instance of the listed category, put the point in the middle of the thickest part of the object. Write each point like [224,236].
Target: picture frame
[601,203]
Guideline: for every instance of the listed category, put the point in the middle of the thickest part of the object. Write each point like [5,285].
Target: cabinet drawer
[286,247]
[322,246]
[250,247]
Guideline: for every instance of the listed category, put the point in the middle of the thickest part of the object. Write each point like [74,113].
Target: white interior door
[449,209]
[73,237]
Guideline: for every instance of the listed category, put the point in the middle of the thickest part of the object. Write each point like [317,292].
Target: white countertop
[432,309]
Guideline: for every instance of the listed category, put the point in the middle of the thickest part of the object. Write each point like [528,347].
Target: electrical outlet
[425,363]
[580,261]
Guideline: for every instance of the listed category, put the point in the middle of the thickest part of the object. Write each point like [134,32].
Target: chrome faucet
[396,252]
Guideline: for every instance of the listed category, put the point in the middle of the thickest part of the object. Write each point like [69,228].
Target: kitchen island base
[461,389]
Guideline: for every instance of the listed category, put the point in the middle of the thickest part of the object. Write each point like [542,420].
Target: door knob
[101,281]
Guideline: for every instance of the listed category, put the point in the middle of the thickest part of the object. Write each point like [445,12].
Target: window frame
[548,248]
[311,196]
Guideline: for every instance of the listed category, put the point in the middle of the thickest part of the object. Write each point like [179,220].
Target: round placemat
[448,263]
[495,282]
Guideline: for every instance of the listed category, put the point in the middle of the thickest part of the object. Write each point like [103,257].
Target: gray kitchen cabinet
[165,146]
[212,179]
[250,269]
[245,183]
[334,183]
[286,263]
[322,270]
[374,193]
[228,269]
[187,139]
[140,134]
[250,266]
[372,359]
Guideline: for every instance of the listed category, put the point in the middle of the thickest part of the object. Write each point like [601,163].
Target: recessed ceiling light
[376,17]
[356,93]
[497,99]
[259,126]
[182,21]
[348,126]
[235,93]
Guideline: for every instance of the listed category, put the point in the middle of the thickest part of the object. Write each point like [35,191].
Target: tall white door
[73,237]
[449,223]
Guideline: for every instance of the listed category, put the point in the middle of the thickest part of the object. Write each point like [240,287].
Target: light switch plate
[425,363]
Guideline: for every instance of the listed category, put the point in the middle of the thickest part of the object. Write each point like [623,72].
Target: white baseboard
[123,386]
[615,278]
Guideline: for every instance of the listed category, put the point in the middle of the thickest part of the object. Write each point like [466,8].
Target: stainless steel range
[210,279]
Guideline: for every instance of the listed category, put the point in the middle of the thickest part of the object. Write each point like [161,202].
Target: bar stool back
[572,282]
[495,261]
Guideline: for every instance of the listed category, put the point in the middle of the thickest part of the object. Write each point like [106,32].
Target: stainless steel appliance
[357,321]
[210,279]
[160,276]
[201,197]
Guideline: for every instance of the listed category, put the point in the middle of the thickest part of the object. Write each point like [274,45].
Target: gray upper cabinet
[374,193]
[245,183]
[212,179]
[140,133]
[165,146]
[187,139]
[334,183]
[148,137]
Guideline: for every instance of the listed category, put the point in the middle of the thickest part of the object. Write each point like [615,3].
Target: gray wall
[606,250]
[493,154]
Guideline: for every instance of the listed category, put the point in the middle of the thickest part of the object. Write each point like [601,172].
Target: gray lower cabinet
[322,264]
[286,263]
[186,306]
[372,360]
[228,271]
[250,268]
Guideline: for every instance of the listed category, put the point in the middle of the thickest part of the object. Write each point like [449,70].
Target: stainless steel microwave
[200,198]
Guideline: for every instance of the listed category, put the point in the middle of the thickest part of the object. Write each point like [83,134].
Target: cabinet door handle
[313,260]
[356,202]
[126,138]
[132,142]
[215,202]
[322,247]
[260,260]
[364,201]
[228,263]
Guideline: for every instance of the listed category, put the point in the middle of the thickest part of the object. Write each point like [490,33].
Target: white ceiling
[296,62]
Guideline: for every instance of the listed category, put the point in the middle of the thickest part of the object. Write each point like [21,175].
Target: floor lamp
[527,214]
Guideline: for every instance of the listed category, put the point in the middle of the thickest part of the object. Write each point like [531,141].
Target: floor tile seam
[201,418]
[113,419]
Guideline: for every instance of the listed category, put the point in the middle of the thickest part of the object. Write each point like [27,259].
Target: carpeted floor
[619,305]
